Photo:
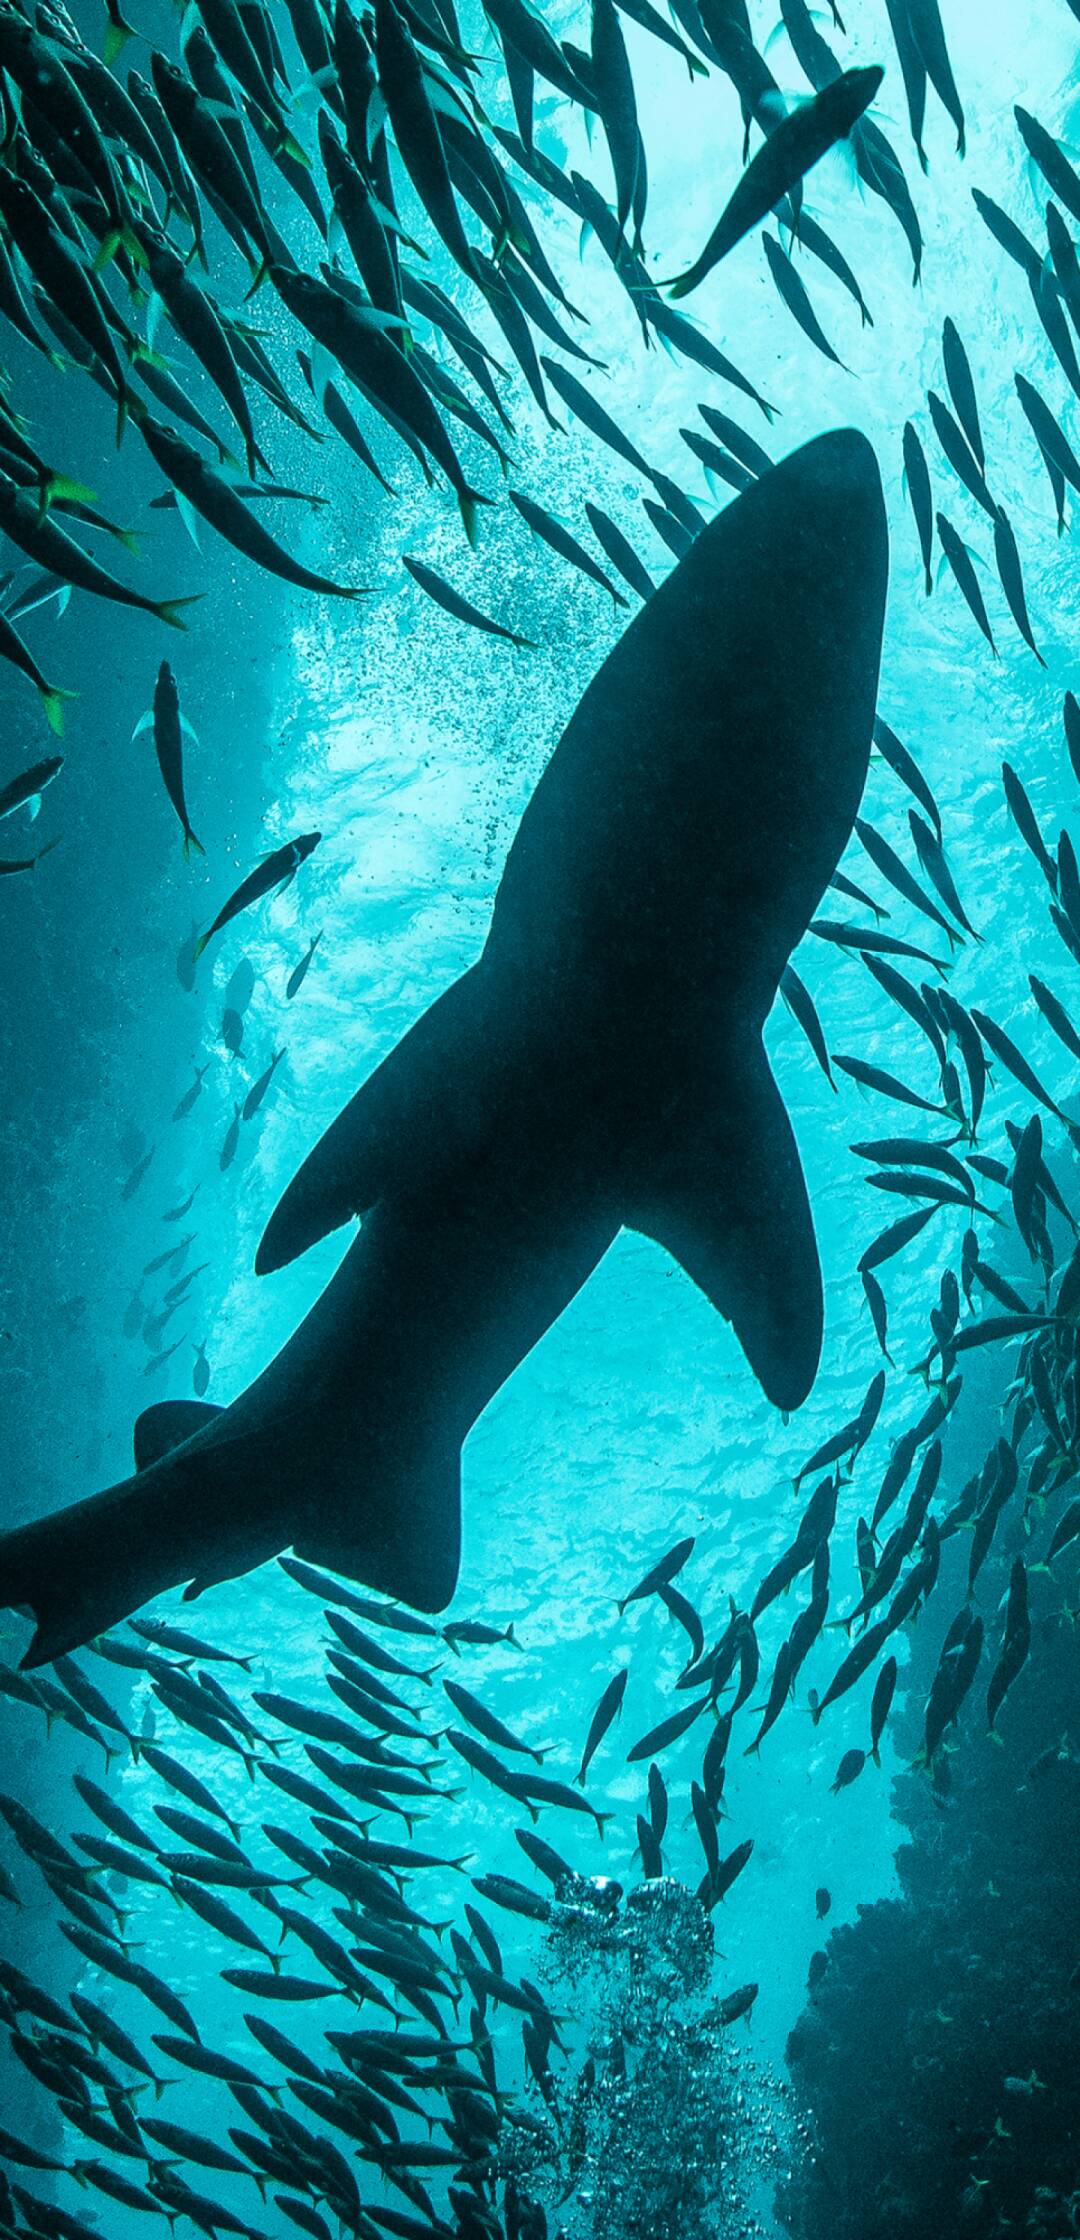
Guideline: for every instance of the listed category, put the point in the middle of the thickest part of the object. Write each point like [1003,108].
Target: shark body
[600,1066]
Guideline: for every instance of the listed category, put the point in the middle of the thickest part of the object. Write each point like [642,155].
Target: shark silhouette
[599,1066]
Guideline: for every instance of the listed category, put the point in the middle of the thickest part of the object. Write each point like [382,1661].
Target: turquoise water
[414,746]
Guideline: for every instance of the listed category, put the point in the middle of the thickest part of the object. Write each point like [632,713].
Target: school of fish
[131,199]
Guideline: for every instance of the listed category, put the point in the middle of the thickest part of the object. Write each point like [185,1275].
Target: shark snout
[836,477]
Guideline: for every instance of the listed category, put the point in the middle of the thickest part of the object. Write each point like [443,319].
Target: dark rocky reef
[936,2058]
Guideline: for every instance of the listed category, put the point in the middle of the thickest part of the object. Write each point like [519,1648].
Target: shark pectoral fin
[413,1112]
[166,1425]
[730,1205]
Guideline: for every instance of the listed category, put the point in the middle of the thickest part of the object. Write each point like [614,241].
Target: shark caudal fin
[412,1115]
[193,1511]
[329,1460]
[84,1568]
[727,1199]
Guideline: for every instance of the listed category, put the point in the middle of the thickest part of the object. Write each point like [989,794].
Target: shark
[599,1066]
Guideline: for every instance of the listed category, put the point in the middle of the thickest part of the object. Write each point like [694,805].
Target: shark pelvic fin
[408,1544]
[728,1201]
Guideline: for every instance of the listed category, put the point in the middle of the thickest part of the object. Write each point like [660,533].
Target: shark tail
[79,1572]
[216,1492]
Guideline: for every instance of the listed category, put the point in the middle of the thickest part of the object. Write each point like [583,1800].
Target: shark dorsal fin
[166,1425]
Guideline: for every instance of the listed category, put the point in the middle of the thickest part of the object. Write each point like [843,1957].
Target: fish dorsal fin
[166,1425]
[727,1199]
[419,1108]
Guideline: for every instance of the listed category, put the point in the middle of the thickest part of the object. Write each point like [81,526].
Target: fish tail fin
[133,248]
[65,486]
[52,700]
[108,246]
[262,272]
[468,500]
[168,610]
[190,842]
[199,946]
[116,38]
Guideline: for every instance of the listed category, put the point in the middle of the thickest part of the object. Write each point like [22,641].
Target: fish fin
[398,1114]
[62,486]
[107,250]
[189,517]
[323,369]
[190,842]
[168,610]
[166,1425]
[727,1199]
[468,500]
[260,272]
[145,723]
[116,37]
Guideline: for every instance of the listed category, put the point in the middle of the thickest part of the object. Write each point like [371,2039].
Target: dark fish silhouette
[275,870]
[599,1066]
[170,728]
[26,790]
[795,145]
